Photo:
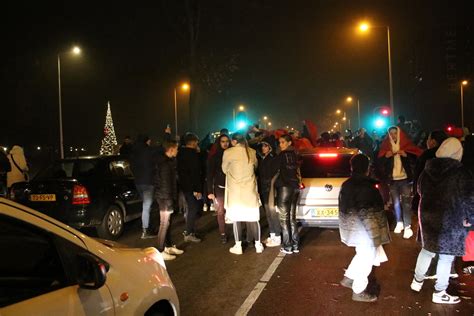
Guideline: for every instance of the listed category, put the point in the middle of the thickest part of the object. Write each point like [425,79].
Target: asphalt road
[211,281]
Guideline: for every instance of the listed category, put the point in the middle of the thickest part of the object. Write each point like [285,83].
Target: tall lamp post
[75,51]
[241,109]
[349,100]
[184,87]
[463,83]
[363,28]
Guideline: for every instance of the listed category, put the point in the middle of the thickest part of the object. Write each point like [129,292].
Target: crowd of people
[241,174]
[237,178]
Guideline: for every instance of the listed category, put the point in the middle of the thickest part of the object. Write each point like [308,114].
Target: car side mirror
[91,272]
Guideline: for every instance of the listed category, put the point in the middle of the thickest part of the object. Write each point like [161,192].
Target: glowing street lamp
[75,51]
[364,27]
[463,83]
[185,87]
[338,111]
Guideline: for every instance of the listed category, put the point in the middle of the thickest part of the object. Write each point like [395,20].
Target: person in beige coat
[241,199]
[19,167]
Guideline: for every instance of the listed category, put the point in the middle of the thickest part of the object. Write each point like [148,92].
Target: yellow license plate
[43,197]
[325,212]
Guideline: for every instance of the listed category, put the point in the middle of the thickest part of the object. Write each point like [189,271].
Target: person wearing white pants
[363,225]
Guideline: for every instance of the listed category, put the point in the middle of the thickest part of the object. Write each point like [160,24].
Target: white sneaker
[258,247]
[167,257]
[274,242]
[408,232]
[416,286]
[398,229]
[444,298]
[237,249]
[173,250]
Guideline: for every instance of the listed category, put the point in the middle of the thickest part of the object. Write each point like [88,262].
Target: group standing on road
[242,177]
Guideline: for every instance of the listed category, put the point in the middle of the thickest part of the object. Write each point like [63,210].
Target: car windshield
[314,166]
[69,169]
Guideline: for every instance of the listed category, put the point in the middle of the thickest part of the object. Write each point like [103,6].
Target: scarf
[398,172]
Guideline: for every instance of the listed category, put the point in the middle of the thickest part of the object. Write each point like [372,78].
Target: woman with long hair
[287,191]
[242,203]
[216,182]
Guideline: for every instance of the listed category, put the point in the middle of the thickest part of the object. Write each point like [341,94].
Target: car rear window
[314,166]
[69,169]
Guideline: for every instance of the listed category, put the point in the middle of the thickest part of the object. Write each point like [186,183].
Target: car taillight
[80,195]
[328,155]
[302,186]
[377,186]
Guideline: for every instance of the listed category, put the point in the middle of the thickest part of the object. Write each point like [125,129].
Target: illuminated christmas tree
[109,141]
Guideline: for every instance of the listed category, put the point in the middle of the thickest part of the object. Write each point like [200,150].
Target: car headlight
[153,254]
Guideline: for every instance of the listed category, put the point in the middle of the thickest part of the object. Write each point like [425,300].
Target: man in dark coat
[447,198]
[364,143]
[363,225]
[166,194]
[190,179]
[127,147]
[143,168]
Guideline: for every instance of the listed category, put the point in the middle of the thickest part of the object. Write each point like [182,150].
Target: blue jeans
[146,193]
[400,190]
[442,271]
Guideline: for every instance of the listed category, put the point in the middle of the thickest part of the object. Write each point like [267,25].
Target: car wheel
[112,224]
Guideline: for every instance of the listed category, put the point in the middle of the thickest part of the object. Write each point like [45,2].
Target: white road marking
[258,289]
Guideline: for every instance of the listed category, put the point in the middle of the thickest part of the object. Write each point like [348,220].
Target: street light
[349,100]
[463,83]
[338,111]
[241,108]
[185,87]
[364,28]
[75,51]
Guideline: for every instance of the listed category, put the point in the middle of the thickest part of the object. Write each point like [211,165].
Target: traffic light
[381,117]
[384,111]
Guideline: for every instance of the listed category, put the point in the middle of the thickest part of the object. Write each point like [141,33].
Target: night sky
[290,60]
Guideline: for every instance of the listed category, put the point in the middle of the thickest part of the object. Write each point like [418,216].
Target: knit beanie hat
[450,148]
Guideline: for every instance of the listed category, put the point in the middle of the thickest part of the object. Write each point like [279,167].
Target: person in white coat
[241,200]
[19,167]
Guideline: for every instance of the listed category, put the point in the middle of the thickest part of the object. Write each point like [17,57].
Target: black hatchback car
[85,192]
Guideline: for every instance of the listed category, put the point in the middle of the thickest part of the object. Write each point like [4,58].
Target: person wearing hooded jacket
[363,225]
[266,172]
[447,200]
[19,166]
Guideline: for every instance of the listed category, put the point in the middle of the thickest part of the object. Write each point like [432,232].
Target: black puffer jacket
[215,175]
[447,198]
[362,220]
[190,171]
[287,164]
[165,181]
[266,171]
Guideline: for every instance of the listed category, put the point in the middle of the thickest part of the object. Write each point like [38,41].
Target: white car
[324,170]
[49,268]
